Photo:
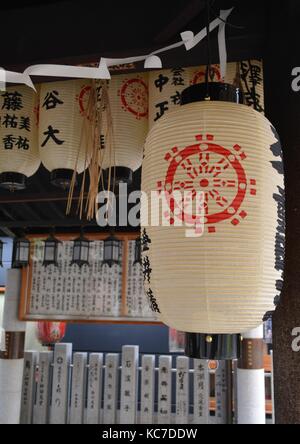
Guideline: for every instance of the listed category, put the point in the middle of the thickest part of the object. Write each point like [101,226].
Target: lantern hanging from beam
[51,251]
[21,252]
[19,154]
[81,251]
[112,251]
[218,282]
[49,333]
[128,101]
[64,129]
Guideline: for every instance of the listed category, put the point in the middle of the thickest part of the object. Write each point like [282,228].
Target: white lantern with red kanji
[19,154]
[64,129]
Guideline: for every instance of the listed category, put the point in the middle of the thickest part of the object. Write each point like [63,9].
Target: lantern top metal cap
[217,92]
[52,238]
[111,237]
[82,238]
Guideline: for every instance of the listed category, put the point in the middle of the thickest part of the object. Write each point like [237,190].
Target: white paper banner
[102,72]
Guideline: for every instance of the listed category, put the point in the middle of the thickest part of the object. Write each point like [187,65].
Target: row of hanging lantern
[112,249]
[57,130]
[53,126]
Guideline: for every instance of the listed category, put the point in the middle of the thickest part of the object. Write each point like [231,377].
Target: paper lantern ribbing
[128,97]
[64,129]
[224,281]
[19,155]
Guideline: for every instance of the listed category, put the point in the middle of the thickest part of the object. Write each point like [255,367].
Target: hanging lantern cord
[208,55]
[253,89]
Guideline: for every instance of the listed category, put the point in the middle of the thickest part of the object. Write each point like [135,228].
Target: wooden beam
[188,13]
[14,198]
[63,222]
[140,33]
[7,232]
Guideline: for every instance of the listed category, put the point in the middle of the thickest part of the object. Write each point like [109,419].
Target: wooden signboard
[91,293]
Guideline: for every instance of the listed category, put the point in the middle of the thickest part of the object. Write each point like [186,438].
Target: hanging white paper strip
[102,72]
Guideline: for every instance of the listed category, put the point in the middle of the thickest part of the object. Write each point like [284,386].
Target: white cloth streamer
[102,72]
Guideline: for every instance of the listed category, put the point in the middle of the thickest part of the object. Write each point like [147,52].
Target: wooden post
[282,106]
[12,357]
[251,379]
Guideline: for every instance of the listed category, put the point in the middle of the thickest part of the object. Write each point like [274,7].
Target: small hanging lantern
[81,251]
[51,251]
[63,129]
[1,252]
[138,251]
[49,333]
[21,252]
[112,251]
[128,98]
[19,155]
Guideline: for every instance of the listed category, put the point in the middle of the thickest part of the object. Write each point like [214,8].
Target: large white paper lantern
[224,281]
[19,154]
[128,97]
[64,129]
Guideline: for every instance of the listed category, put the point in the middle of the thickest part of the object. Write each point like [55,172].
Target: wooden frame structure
[27,273]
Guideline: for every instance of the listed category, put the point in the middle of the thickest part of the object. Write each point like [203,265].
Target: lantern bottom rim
[118,174]
[213,346]
[13,181]
[62,178]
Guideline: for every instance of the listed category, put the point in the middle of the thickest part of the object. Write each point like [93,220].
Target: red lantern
[49,333]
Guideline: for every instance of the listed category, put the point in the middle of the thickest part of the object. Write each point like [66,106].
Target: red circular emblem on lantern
[83,99]
[199,76]
[204,164]
[134,97]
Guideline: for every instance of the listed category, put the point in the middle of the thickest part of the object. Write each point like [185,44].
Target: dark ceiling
[80,32]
